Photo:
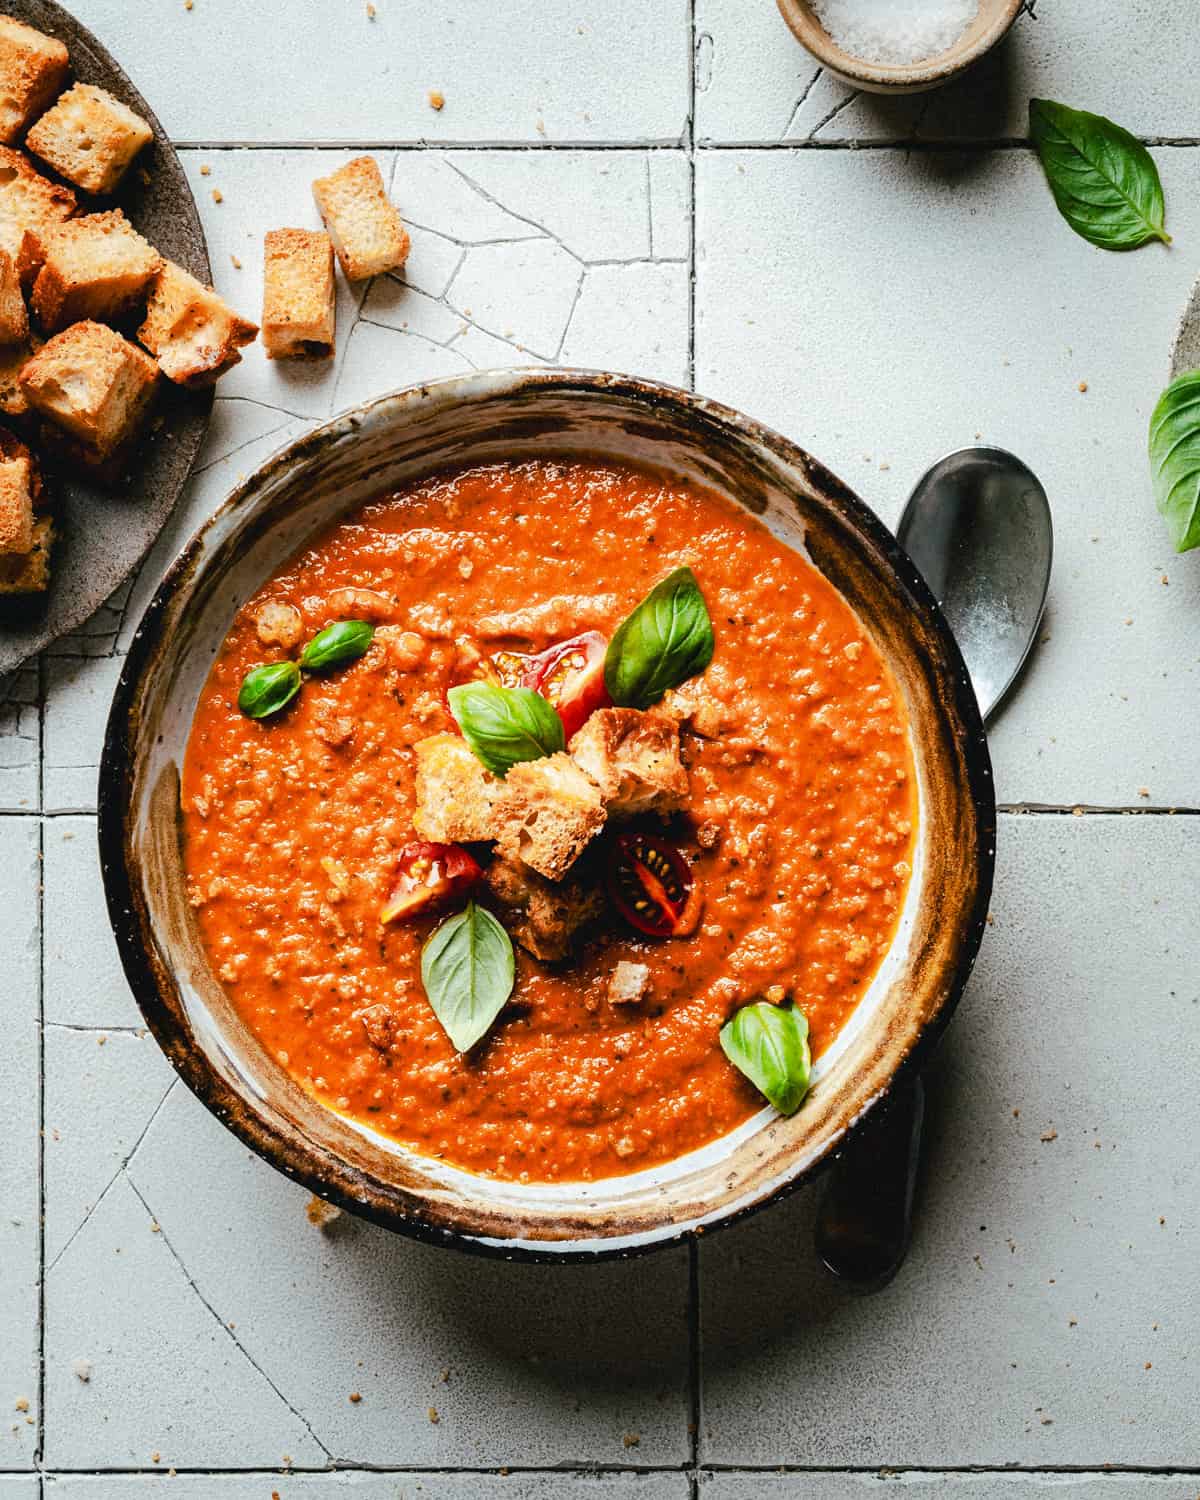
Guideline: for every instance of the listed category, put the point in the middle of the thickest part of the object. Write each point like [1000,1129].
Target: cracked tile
[560,1485]
[20,739]
[384,359]
[813,1485]
[399,305]
[167,1376]
[632,318]
[530,70]
[1052,1291]
[752,76]
[19,1193]
[432,191]
[530,286]
[101,1091]
[547,1365]
[85,985]
[432,261]
[846,333]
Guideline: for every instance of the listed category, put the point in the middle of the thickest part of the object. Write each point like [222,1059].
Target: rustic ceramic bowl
[483,418]
[993,21]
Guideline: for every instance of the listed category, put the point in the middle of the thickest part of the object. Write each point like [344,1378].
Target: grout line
[849,143]
[691,168]
[39,1447]
[582,1470]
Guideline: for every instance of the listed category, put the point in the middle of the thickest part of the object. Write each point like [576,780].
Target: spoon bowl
[978,527]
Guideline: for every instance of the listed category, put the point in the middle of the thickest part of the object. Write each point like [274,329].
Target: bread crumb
[355,1397]
[1148,1365]
[632,1439]
[1049,1135]
[187,4]
[1143,791]
[437,99]
[320,1213]
[154,1458]
[433,1415]
[205,170]
[370,11]
[237,265]
[22,1403]
[1083,385]
[1072,1322]
[1164,580]
[82,1369]
[218,196]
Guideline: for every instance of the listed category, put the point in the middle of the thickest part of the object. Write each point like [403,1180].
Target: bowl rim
[893,78]
[116,785]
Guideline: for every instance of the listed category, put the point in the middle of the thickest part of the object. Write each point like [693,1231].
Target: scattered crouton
[550,812]
[629,983]
[89,137]
[14,320]
[193,334]
[543,917]
[16,505]
[33,70]
[279,624]
[298,294]
[457,798]
[362,221]
[97,266]
[29,572]
[633,757]
[95,386]
[27,198]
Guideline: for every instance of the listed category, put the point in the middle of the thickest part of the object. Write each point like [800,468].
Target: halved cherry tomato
[427,875]
[571,676]
[651,885]
[504,669]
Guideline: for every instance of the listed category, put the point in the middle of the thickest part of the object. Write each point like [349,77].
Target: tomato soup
[797,830]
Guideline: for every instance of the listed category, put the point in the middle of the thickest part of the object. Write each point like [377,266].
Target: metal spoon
[978,527]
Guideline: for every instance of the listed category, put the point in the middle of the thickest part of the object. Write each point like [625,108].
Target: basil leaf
[336,645]
[1104,180]
[467,970]
[268,688]
[769,1044]
[504,726]
[1175,459]
[667,639]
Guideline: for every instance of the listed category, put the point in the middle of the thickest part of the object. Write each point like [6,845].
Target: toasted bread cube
[633,757]
[16,505]
[298,294]
[14,320]
[550,812]
[11,447]
[193,334]
[97,267]
[93,384]
[544,918]
[28,199]
[13,402]
[24,247]
[629,983]
[361,219]
[33,70]
[29,572]
[89,137]
[457,799]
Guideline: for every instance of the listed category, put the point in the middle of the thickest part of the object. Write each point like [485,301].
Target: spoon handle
[865,1217]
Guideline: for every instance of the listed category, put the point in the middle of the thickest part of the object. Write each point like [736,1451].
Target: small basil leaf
[467,970]
[667,639]
[1175,459]
[504,726]
[1103,179]
[769,1044]
[336,645]
[268,688]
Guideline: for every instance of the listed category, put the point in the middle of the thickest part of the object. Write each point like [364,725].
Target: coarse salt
[895,31]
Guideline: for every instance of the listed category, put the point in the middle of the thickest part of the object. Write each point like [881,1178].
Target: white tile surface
[19,1195]
[415,1486]
[911,304]
[20,739]
[910,1486]
[1049,1311]
[756,83]
[529,70]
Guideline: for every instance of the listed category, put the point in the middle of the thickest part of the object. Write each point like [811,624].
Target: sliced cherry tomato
[651,885]
[504,669]
[427,875]
[571,676]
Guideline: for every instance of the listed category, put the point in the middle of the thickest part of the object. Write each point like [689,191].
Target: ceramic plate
[103,535]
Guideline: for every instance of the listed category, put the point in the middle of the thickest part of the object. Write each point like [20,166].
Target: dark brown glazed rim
[341,1181]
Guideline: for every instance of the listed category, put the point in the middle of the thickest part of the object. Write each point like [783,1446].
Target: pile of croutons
[78,389]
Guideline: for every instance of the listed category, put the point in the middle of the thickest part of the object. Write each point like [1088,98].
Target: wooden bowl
[993,21]
[480,418]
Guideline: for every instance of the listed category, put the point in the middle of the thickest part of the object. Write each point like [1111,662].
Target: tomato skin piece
[652,886]
[428,875]
[570,675]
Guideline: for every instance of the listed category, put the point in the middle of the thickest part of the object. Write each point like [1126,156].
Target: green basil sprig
[1103,179]
[667,639]
[467,969]
[1175,459]
[769,1044]
[336,645]
[267,689]
[505,726]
